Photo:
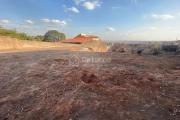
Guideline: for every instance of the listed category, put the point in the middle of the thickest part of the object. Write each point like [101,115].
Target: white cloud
[111,29]
[29,21]
[135,1]
[5,21]
[79,1]
[91,5]
[51,29]
[178,13]
[45,20]
[153,28]
[26,27]
[167,16]
[115,7]
[65,8]
[57,22]
[168,27]
[36,28]
[74,9]
[69,19]
[154,15]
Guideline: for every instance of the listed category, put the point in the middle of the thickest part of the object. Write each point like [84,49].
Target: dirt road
[43,85]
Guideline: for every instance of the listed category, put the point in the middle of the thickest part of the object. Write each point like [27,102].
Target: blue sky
[109,19]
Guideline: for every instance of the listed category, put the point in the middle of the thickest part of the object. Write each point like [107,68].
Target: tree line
[50,36]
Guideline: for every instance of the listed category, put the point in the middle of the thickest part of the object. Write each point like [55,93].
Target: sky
[110,19]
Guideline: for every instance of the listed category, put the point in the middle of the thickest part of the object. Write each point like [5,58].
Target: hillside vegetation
[14,34]
[50,36]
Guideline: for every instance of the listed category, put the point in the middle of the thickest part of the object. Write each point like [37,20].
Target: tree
[39,38]
[54,36]
[24,36]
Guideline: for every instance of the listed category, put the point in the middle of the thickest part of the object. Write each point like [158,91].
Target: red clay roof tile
[79,39]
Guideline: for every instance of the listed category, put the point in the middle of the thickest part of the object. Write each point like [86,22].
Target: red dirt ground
[40,85]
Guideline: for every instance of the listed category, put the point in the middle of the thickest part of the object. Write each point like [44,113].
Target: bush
[156,50]
[170,48]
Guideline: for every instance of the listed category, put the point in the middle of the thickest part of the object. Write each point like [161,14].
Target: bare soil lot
[41,85]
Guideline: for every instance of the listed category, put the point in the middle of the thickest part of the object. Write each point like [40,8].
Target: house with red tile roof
[81,38]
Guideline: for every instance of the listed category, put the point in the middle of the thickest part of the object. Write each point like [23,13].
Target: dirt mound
[97,46]
[118,48]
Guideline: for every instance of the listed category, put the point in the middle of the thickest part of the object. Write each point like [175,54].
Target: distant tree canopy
[24,36]
[54,36]
[14,34]
[39,37]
